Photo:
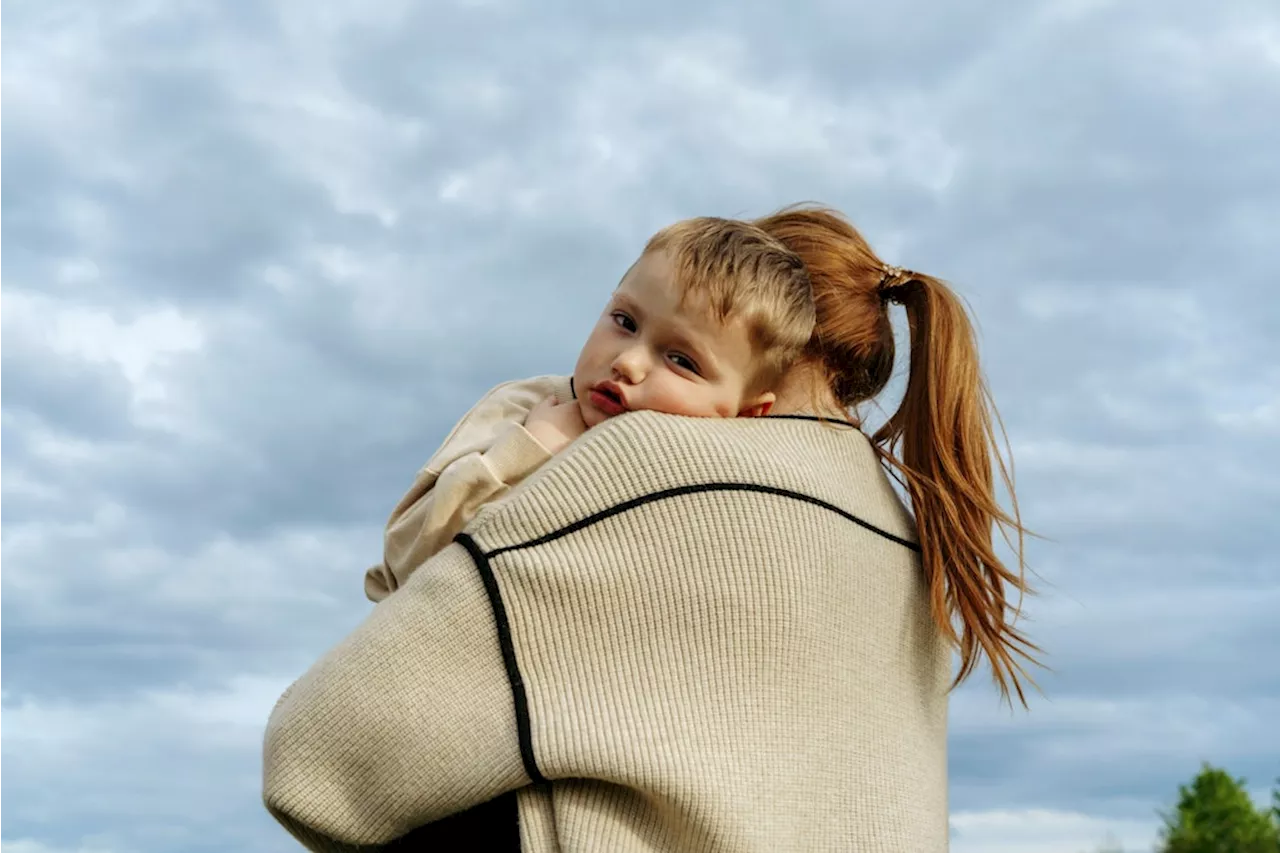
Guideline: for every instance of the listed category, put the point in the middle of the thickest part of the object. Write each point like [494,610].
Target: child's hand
[555,424]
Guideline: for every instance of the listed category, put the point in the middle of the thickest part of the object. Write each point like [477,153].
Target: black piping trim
[617,509]
[815,418]
[518,696]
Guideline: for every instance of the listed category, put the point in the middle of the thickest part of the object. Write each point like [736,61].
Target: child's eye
[621,319]
[684,362]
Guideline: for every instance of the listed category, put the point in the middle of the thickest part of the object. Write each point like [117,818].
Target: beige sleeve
[439,506]
[407,720]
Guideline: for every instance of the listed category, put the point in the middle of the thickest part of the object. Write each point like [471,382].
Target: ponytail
[944,435]
[941,441]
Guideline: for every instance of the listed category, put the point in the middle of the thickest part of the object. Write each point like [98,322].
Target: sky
[258,257]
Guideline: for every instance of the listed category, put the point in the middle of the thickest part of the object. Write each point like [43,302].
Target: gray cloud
[259,258]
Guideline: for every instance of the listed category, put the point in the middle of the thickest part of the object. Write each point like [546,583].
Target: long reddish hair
[941,442]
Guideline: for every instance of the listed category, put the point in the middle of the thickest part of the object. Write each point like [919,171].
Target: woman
[690,634]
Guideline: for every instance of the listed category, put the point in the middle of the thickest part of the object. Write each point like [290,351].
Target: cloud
[134,768]
[27,845]
[1045,831]
[259,257]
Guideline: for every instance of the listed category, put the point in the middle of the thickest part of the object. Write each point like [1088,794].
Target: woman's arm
[601,622]
[406,721]
[421,712]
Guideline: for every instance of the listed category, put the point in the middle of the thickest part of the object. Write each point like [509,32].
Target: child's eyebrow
[704,357]
[621,300]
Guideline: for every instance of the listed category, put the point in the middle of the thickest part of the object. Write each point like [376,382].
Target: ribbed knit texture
[721,670]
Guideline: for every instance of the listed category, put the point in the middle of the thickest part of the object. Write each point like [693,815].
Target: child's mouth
[607,401]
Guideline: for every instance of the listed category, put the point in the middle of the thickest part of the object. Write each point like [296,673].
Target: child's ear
[759,406]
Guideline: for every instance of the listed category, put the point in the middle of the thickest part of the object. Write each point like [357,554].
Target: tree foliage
[1215,814]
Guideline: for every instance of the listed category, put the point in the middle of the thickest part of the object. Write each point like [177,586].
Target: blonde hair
[944,429]
[741,272]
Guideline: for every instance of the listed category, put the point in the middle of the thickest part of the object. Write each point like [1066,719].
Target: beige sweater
[678,635]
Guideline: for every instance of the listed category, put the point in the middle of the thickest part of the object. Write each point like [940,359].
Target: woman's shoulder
[786,441]
[723,477]
[640,454]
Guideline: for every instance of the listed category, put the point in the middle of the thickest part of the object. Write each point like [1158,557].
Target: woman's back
[688,634]
[752,661]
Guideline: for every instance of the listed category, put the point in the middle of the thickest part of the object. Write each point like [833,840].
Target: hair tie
[893,287]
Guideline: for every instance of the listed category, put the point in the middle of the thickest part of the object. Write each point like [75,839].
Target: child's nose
[630,365]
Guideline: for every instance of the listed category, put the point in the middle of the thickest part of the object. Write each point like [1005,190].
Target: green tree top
[1214,814]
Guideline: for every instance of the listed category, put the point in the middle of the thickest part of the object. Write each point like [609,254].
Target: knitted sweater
[677,635]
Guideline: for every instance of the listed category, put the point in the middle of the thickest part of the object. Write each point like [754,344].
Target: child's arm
[487,452]
[438,506]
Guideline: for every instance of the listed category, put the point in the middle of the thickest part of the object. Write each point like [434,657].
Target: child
[701,325]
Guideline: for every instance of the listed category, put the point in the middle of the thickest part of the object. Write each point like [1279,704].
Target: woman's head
[853,338]
[942,437]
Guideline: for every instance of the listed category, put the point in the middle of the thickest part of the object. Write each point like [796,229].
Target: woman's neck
[804,391]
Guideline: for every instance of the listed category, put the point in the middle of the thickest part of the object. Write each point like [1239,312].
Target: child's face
[645,352]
